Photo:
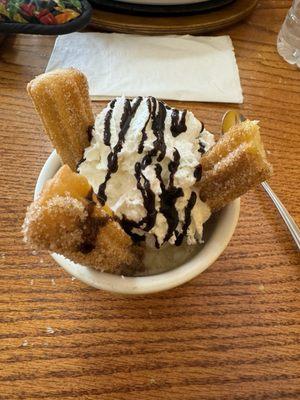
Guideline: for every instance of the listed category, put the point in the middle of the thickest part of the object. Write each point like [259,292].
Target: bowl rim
[154,283]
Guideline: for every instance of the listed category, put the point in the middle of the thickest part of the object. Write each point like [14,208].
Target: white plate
[219,237]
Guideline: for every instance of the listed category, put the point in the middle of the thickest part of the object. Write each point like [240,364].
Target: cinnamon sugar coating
[67,219]
[235,164]
[62,101]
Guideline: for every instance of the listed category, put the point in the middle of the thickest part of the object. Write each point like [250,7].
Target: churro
[157,167]
[67,219]
[62,100]
[235,164]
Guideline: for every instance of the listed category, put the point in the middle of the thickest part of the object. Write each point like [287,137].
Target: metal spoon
[231,118]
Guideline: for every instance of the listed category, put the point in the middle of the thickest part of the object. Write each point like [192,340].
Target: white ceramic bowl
[220,234]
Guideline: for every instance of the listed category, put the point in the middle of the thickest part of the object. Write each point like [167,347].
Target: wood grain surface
[162,25]
[230,334]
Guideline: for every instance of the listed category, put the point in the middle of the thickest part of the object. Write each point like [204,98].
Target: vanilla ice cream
[143,162]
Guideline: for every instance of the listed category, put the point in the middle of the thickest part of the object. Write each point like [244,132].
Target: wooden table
[231,334]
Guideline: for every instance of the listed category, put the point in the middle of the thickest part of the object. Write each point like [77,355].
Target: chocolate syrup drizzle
[112,158]
[168,199]
[144,133]
[187,219]
[91,226]
[201,145]
[178,125]
[90,132]
[148,198]
[169,192]
[198,172]
[106,135]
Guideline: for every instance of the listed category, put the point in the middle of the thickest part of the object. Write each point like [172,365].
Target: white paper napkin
[168,67]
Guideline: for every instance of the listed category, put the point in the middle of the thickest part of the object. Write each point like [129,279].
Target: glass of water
[288,41]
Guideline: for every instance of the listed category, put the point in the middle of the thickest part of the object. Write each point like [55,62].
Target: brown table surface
[232,333]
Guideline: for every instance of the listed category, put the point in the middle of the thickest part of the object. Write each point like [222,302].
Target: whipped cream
[143,162]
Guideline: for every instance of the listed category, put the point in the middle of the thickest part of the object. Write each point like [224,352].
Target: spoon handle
[291,224]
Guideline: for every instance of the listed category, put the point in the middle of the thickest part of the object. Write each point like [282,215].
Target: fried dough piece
[235,164]
[62,100]
[68,219]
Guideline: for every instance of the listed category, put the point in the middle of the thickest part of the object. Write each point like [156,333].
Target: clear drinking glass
[288,41]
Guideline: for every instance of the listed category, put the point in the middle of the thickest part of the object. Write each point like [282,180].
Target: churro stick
[234,165]
[67,219]
[62,100]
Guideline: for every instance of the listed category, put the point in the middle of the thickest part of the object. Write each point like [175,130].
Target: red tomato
[46,18]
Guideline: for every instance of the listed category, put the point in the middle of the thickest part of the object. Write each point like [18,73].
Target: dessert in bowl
[160,276]
[137,186]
